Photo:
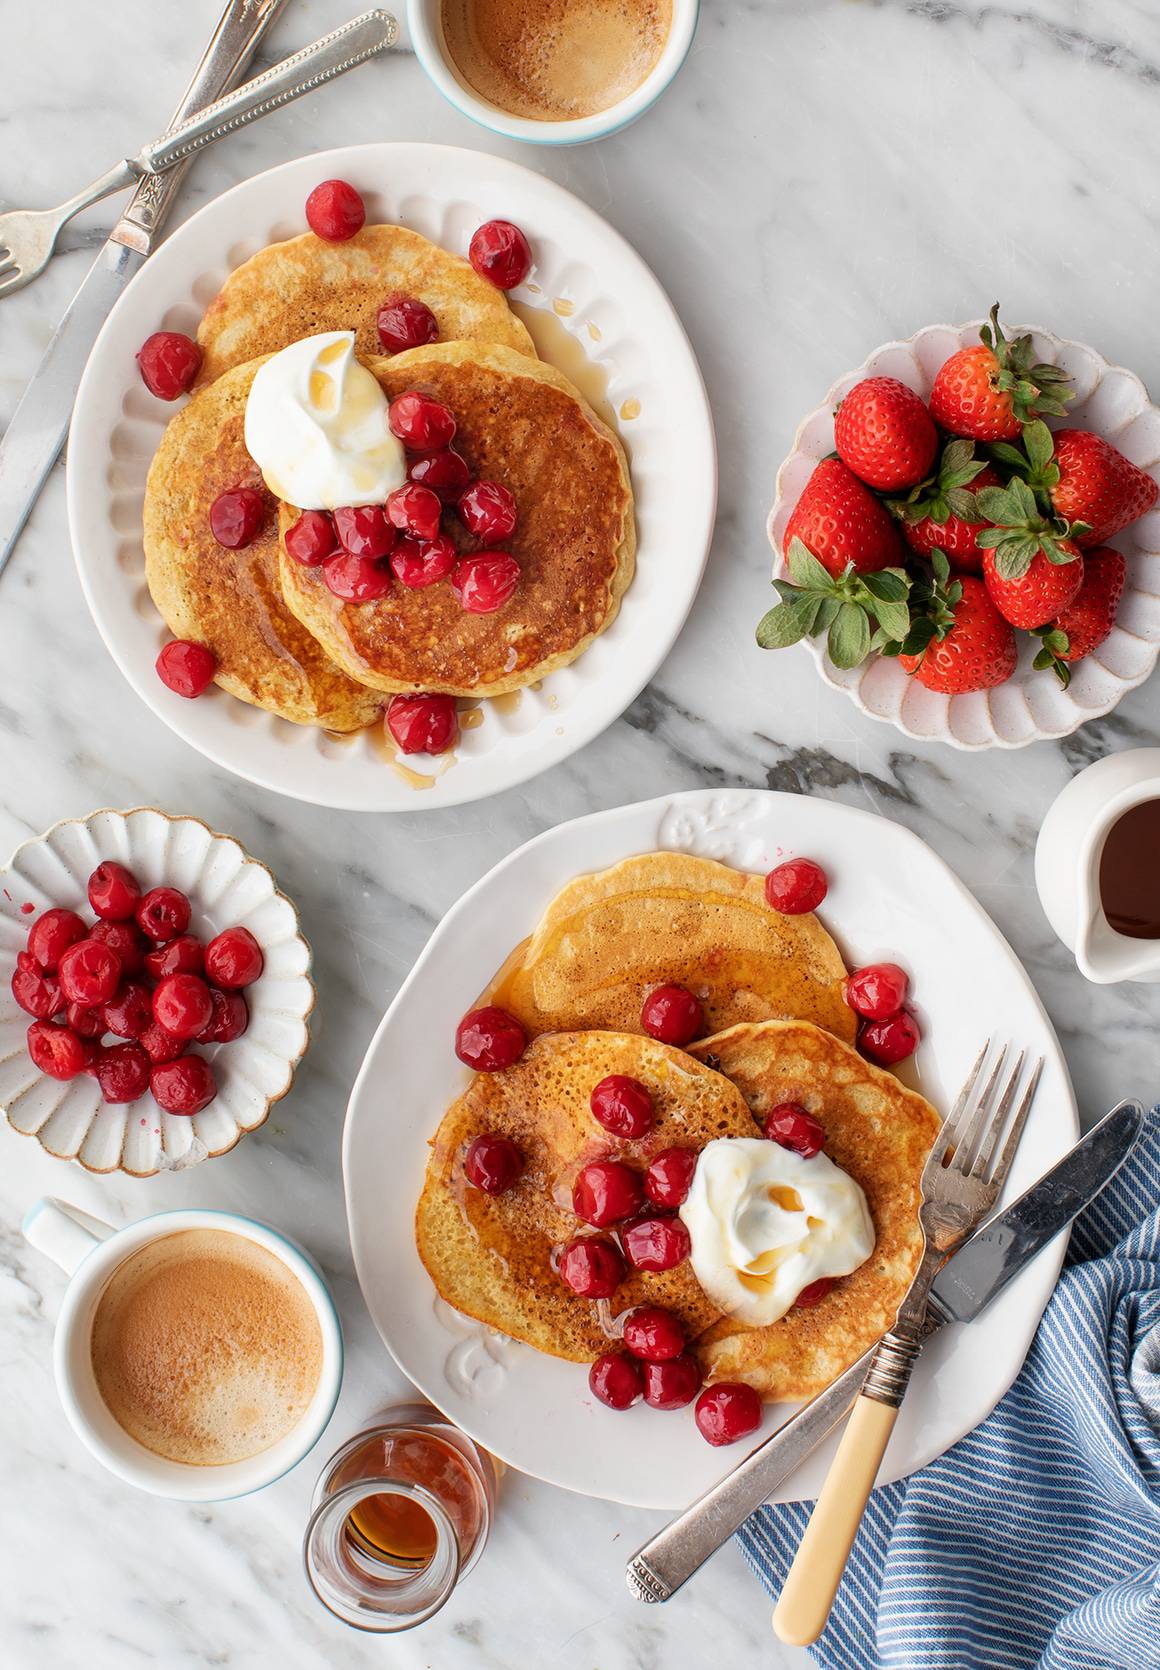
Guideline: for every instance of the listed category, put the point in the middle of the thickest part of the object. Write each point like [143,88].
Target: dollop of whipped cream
[316,426]
[766,1222]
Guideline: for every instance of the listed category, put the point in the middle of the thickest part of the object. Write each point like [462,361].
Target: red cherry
[422,424]
[51,935]
[236,517]
[500,253]
[86,1022]
[36,992]
[186,668]
[122,1071]
[160,1045]
[656,1243]
[405,322]
[489,1039]
[126,940]
[415,510]
[891,1040]
[493,1164]
[234,959]
[183,955]
[129,1011]
[795,887]
[488,510]
[55,1050]
[444,471]
[673,1384]
[815,1292]
[417,565]
[669,1176]
[877,991]
[183,1086]
[484,583]
[672,1015]
[168,362]
[113,891]
[653,1334]
[335,211]
[423,724]
[363,530]
[312,538]
[163,913]
[606,1192]
[790,1126]
[182,1005]
[727,1411]
[230,1018]
[89,972]
[356,579]
[623,1106]
[616,1380]
[591,1265]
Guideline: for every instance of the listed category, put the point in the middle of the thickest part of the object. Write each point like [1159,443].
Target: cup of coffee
[552,72]
[198,1354]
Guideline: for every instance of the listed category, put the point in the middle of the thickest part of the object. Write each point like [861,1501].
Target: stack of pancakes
[282,640]
[771,990]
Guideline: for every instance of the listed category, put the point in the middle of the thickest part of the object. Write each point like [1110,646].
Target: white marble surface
[825,175]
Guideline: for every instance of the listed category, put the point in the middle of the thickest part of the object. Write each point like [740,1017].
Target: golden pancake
[492,1256]
[305,286]
[522,423]
[879,1132]
[231,601]
[666,917]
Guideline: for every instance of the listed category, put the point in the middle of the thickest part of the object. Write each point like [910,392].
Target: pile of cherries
[362,550]
[138,974]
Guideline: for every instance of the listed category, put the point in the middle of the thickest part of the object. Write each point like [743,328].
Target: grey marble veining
[825,175]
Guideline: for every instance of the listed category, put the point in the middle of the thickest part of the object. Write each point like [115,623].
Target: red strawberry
[989,392]
[1086,621]
[884,433]
[1038,594]
[975,651]
[941,513]
[840,521]
[1098,485]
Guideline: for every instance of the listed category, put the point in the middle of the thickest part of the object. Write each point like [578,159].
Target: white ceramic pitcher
[1067,865]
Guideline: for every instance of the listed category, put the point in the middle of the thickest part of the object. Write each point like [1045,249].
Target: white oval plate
[891,897]
[1030,705]
[226,887]
[617,321]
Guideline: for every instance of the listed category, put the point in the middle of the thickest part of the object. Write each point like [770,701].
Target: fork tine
[948,1131]
[11,280]
[990,1142]
[967,1146]
[999,1176]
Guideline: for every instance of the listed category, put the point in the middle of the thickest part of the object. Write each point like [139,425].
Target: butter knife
[980,1270]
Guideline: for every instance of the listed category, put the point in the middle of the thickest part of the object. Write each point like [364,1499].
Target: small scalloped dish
[226,887]
[1030,706]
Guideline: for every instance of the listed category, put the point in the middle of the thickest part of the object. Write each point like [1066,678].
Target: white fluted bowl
[226,887]
[1030,706]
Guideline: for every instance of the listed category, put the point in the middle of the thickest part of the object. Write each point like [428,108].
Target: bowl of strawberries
[967,537]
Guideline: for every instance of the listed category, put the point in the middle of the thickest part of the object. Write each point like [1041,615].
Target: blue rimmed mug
[424,23]
[89,1251]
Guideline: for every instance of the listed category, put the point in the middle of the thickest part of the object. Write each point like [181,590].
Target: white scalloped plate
[535,1411]
[225,887]
[1030,706]
[602,316]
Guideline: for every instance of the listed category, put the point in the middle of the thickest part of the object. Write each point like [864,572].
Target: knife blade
[33,440]
[997,1251]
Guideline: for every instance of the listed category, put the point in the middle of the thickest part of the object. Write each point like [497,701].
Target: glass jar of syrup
[400,1516]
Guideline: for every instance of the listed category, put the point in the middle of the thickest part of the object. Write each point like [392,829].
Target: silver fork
[961,1181]
[28,236]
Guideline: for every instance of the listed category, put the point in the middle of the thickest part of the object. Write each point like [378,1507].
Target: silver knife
[32,442]
[966,1284]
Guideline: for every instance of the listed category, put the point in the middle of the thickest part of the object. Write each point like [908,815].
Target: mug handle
[63,1233]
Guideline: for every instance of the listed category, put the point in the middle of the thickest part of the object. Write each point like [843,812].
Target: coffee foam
[205,1348]
[555,60]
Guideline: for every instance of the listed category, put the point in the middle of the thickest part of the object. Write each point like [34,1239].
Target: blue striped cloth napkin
[1033,1544]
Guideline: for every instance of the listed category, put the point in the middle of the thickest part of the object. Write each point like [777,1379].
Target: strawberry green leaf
[941,565]
[826,613]
[787,623]
[1004,453]
[893,618]
[961,502]
[849,637]
[805,569]
[1039,445]
[887,585]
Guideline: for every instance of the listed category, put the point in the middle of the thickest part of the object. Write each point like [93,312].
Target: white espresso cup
[424,23]
[89,1251]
